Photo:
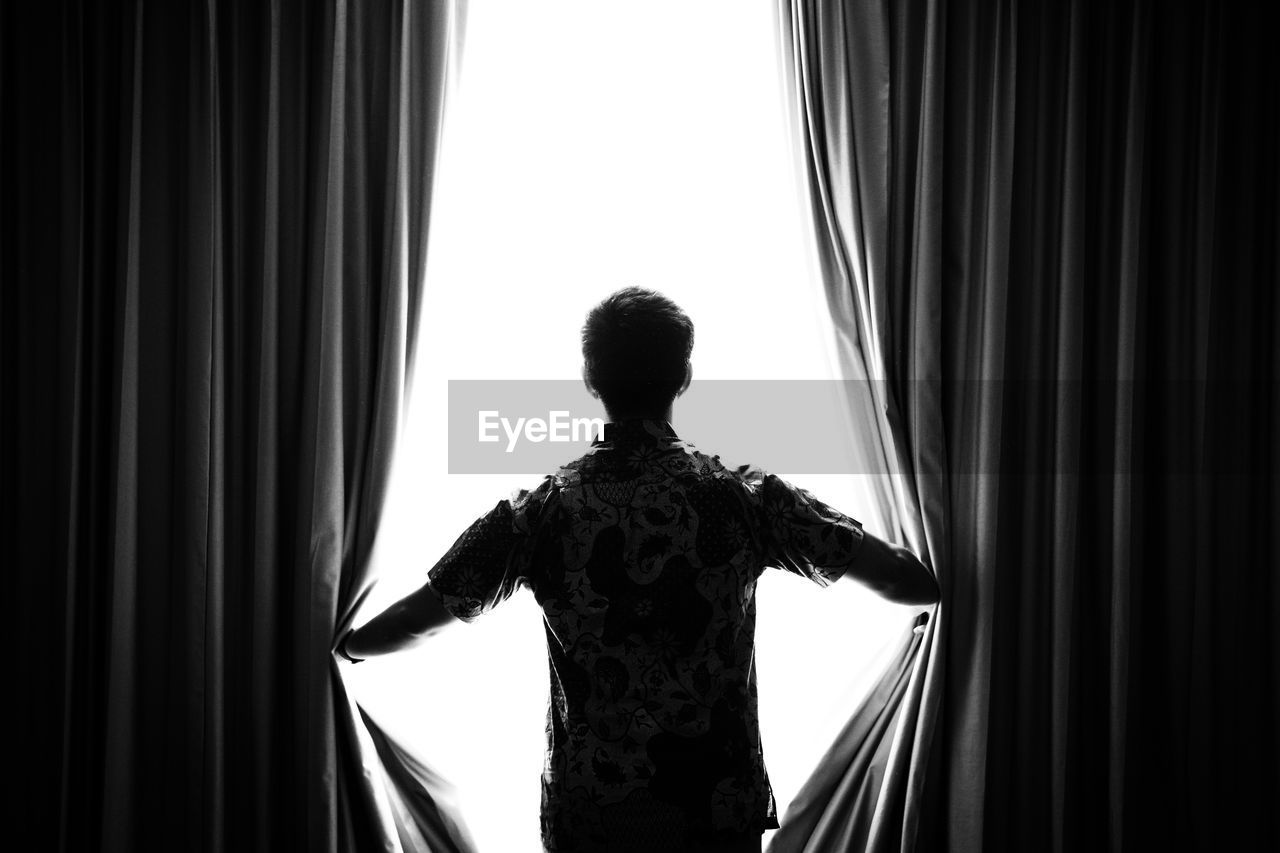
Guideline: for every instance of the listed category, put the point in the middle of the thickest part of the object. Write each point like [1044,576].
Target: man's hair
[636,345]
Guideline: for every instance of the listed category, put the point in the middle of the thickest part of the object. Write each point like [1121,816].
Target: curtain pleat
[855,762]
[213,249]
[1063,293]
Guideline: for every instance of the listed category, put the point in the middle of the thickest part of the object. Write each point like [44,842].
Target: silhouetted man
[644,556]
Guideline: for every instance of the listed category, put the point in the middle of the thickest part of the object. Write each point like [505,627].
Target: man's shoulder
[529,506]
[712,465]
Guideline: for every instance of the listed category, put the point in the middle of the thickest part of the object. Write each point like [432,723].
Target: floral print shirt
[644,556]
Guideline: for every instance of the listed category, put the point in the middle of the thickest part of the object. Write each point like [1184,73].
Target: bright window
[594,145]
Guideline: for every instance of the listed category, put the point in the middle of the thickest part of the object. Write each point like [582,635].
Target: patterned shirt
[643,555]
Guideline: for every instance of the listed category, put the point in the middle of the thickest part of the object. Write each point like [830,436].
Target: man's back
[644,555]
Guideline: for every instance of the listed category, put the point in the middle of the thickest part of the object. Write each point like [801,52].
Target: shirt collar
[638,431]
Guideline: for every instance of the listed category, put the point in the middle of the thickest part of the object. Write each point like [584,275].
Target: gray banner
[808,426]
[534,426]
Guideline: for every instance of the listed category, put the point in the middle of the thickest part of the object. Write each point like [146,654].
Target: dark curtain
[1049,234]
[213,246]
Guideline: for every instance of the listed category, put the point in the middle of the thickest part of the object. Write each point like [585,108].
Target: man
[644,555]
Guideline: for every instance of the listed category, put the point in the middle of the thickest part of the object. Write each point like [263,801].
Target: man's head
[635,348]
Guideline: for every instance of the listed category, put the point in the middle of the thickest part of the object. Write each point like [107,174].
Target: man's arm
[811,539]
[403,625]
[893,572]
[480,571]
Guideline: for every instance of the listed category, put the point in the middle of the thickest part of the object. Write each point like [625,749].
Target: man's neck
[616,416]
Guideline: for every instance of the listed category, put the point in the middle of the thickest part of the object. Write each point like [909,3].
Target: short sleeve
[803,535]
[488,562]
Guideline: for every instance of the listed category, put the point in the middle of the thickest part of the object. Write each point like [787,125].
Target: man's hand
[407,623]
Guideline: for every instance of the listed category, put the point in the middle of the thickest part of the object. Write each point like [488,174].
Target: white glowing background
[593,145]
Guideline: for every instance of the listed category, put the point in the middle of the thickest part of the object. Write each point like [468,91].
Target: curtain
[1048,233]
[214,235]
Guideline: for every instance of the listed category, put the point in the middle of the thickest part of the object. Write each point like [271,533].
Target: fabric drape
[214,238]
[1048,233]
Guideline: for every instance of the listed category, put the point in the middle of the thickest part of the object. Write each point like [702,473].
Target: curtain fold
[1048,234]
[213,249]
[854,765]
